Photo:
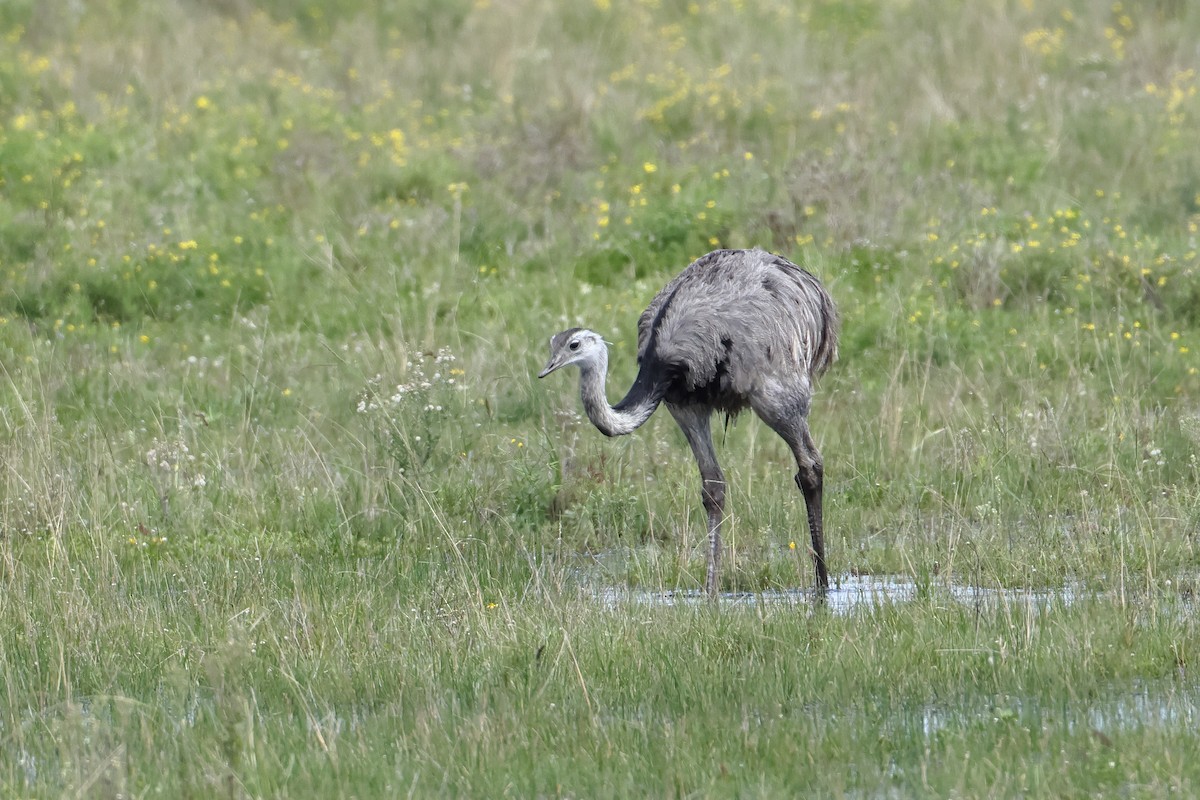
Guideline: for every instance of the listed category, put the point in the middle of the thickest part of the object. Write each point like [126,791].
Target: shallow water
[849,593]
[1163,705]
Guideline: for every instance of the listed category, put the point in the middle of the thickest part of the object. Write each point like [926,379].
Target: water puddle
[1162,705]
[847,594]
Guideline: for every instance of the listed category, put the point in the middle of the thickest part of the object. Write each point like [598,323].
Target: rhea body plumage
[736,329]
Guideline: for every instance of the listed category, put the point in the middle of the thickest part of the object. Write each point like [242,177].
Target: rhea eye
[575,345]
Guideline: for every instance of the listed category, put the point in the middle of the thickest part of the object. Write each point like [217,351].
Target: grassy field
[284,511]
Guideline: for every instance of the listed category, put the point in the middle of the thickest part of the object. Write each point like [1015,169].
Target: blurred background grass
[228,224]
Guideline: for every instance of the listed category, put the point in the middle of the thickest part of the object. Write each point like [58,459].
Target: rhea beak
[550,367]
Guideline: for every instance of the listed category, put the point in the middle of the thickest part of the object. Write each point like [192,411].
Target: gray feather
[736,323]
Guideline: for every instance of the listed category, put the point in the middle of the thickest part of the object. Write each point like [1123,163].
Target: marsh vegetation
[285,512]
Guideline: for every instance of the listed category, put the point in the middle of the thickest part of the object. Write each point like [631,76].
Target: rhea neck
[626,416]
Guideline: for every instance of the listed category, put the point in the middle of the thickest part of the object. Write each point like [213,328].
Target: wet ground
[847,594]
[1169,704]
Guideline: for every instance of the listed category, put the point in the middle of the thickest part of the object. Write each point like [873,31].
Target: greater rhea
[736,329]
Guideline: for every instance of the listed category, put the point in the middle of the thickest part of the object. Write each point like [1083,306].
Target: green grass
[285,512]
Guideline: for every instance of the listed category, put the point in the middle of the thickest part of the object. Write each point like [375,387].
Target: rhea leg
[810,478]
[697,430]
